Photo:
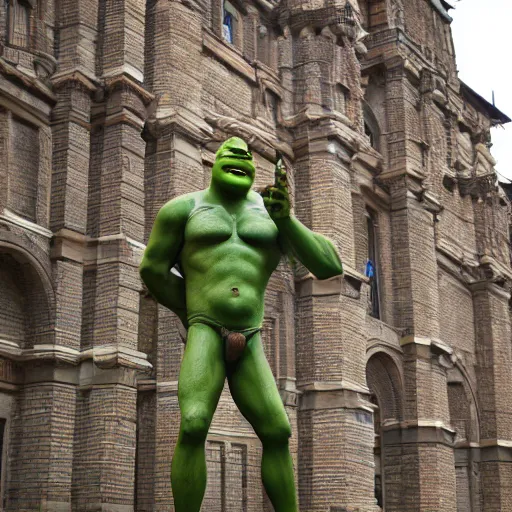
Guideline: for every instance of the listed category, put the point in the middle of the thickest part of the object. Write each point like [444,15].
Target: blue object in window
[227,27]
[370,269]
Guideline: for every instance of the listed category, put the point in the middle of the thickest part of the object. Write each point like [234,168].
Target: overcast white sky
[482,34]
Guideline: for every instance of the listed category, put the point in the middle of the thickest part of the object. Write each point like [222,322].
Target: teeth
[237,171]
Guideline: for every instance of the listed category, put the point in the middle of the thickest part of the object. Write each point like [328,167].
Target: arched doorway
[385,383]
[465,422]
[25,303]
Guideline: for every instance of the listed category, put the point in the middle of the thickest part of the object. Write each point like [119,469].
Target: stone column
[44,420]
[494,361]
[424,436]
[334,418]
[42,428]
[105,447]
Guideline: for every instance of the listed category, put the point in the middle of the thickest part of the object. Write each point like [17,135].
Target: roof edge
[441,6]
[479,102]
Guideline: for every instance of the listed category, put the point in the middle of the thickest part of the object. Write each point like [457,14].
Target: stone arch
[384,379]
[465,420]
[468,412]
[26,300]
[385,382]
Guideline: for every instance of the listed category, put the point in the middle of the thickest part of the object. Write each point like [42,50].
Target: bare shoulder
[177,210]
[255,199]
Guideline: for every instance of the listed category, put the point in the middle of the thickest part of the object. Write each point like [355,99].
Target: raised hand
[276,197]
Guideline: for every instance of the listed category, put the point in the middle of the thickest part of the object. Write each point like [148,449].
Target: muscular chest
[209,225]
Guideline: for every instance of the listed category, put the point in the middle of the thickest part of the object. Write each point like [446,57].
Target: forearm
[168,289]
[314,251]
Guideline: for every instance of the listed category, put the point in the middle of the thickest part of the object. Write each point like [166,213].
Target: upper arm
[166,238]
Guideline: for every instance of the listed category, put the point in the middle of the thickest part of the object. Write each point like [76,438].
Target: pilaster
[42,437]
[416,295]
[494,392]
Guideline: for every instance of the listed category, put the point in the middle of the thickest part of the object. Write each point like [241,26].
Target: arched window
[18,22]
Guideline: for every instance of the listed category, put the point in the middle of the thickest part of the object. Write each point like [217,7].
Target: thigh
[255,392]
[202,372]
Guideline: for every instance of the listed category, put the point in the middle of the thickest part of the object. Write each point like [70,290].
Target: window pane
[229,22]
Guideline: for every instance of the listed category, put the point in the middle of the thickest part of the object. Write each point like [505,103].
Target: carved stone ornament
[262,141]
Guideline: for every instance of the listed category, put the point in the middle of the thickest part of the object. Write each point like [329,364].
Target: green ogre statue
[227,240]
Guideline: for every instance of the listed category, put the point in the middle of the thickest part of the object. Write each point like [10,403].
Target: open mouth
[236,172]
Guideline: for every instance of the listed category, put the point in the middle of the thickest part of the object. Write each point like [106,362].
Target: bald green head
[233,172]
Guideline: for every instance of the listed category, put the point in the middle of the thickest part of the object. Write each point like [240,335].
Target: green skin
[227,241]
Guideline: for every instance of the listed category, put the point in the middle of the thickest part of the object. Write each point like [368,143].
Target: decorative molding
[170,119]
[260,140]
[12,218]
[123,82]
[75,76]
[334,395]
[32,84]
[107,356]
[418,432]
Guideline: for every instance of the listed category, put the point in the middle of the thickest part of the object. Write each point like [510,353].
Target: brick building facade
[398,387]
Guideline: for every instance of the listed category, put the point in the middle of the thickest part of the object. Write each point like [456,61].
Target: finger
[280,173]
[279,193]
[274,205]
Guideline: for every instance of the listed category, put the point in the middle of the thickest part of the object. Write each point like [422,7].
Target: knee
[194,427]
[276,433]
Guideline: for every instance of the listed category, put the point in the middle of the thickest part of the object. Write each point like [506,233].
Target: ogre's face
[234,170]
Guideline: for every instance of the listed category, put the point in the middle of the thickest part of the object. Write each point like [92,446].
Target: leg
[200,384]
[255,393]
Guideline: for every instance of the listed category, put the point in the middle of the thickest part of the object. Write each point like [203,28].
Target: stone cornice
[124,82]
[106,356]
[262,141]
[89,251]
[288,391]
[12,218]
[436,344]
[486,286]
[495,271]
[418,432]
[332,126]
[32,84]
[127,117]
[334,395]
[168,120]
[488,450]
[349,284]
[76,77]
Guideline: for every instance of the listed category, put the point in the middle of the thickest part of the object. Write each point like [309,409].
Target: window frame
[237,12]
[11,7]
[274,115]
[373,255]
